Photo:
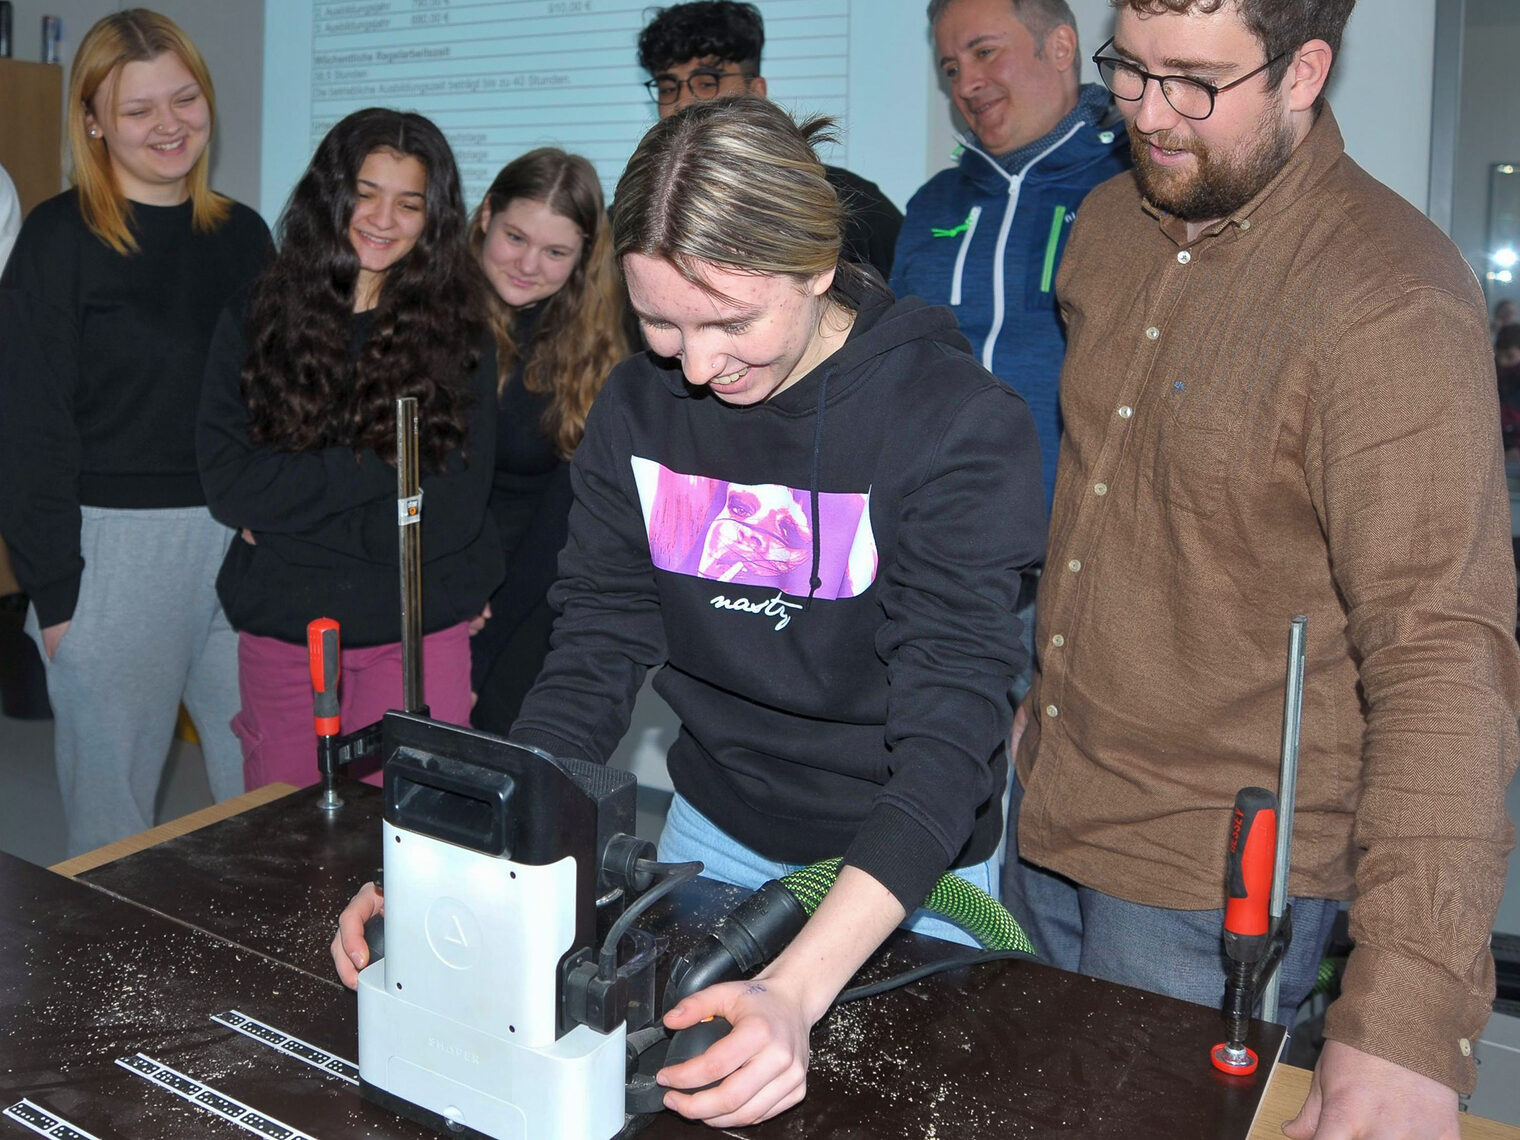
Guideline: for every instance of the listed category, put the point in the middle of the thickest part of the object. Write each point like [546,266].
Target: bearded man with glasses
[707,49]
[1278,400]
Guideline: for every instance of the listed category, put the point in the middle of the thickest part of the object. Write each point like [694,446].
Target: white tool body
[491,1013]
[459,1017]
[463,1023]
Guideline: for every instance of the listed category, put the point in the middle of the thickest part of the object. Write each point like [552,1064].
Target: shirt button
[1125,411]
[1100,488]
[1184,257]
[1153,332]
[1463,1044]
[1245,223]
[1074,565]
[1105,137]
[1052,711]
[1057,640]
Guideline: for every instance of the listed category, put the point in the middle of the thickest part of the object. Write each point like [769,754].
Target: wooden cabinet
[31,150]
[31,128]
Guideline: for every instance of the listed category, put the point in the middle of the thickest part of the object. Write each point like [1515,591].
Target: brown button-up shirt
[1295,413]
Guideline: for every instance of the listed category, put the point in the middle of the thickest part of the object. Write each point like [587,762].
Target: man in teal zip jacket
[985,236]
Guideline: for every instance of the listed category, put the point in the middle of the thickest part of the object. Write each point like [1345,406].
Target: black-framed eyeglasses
[1191,98]
[666,89]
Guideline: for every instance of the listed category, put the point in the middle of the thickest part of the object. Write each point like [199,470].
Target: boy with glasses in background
[711,48]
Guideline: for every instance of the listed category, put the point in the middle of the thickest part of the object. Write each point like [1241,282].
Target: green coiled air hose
[953,898]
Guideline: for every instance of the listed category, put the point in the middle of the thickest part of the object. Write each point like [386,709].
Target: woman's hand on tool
[763,1060]
[350,952]
[1357,1096]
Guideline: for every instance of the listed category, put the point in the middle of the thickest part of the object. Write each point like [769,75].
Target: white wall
[1381,91]
[229,33]
[1489,129]
[883,108]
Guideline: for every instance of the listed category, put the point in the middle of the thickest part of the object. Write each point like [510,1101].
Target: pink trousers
[275,724]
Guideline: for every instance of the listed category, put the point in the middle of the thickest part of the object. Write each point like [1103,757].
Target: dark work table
[239,915]
[87,979]
[168,929]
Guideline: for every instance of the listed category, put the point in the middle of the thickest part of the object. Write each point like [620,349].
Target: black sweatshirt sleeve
[609,633]
[951,640]
[532,569]
[39,440]
[260,487]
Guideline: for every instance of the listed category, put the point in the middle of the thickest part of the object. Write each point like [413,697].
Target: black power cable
[929,969]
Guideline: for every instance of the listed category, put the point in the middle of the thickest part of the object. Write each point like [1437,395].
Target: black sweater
[530,504]
[869,721]
[871,222]
[325,519]
[101,359]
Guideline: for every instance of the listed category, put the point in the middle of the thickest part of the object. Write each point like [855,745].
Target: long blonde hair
[580,335]
[135,35]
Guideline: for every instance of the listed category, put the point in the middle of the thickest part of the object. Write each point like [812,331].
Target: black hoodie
[828,578]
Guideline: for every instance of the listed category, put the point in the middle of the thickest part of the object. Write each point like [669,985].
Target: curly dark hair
[705,29]
[1280,25]
[303,388]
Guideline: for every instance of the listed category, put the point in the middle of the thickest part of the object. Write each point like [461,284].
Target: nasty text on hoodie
[828,580]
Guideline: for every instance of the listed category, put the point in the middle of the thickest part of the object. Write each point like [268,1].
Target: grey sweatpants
[147,633]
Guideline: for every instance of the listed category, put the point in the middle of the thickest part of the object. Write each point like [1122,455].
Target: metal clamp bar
[1287,791]
[408,515]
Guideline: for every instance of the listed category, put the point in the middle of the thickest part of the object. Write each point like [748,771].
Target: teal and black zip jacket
[985,237]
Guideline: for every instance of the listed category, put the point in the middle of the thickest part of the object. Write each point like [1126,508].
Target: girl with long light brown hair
[557,312]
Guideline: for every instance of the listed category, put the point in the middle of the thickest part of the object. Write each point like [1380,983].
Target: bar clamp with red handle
[1253,942]
[335,752]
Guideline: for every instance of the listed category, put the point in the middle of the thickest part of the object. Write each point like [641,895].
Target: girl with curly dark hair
[373,296]
[556,309]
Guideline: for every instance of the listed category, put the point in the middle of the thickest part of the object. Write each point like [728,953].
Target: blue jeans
[1179,953]
[690,835]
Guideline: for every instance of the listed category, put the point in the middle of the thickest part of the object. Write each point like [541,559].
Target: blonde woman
[557,311]
[809,505]
[109,301]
